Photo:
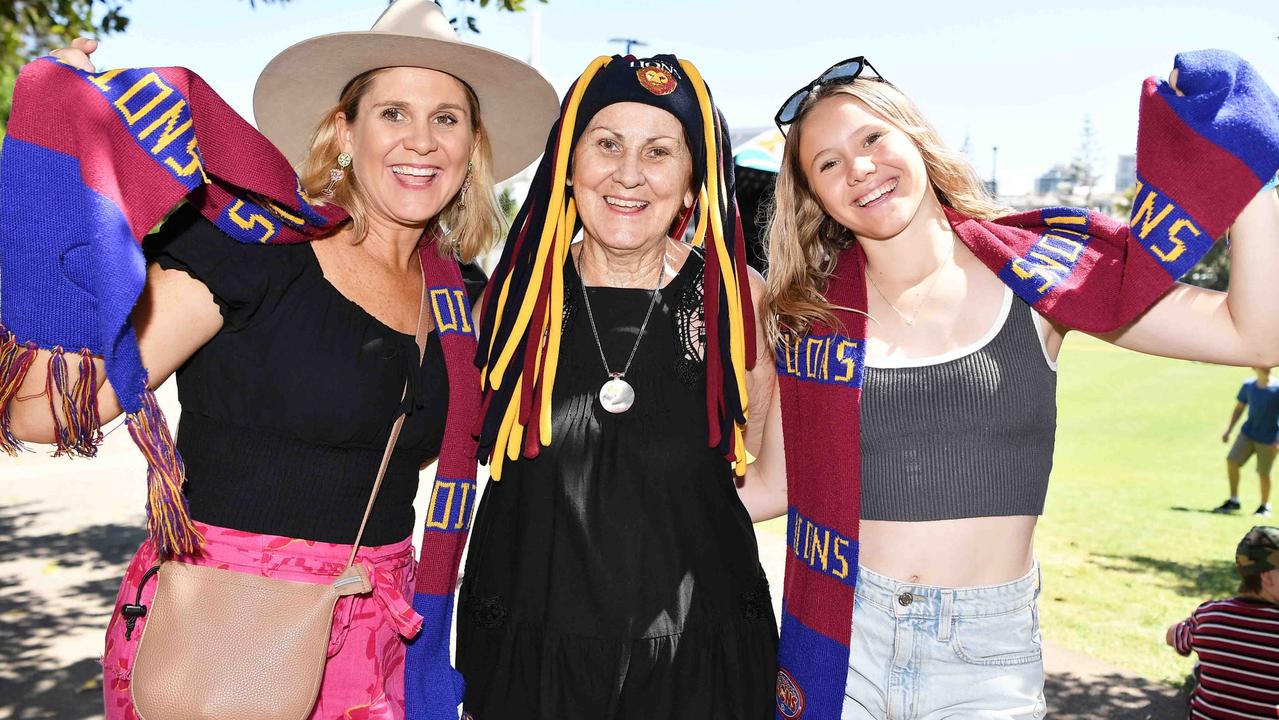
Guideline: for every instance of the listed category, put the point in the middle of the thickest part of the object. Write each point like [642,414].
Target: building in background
[1125,173]
[1057,180]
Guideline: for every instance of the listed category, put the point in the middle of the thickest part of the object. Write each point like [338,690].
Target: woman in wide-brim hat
[292,359]
[613,572]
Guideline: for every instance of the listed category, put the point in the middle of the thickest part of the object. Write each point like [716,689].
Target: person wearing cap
[613,572]
[292,359]
[1237,639]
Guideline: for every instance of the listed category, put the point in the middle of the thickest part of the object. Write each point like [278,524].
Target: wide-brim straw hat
[517,104]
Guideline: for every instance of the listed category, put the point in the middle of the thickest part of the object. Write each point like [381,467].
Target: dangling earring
[336,174]
[466,185]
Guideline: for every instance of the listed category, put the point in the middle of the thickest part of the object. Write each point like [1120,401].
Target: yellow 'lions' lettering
[442,512]
[253,220]
[150,80]
[1052,258]
[815,367]
[844,355]
[169,119]
[461,516]
[1176,230]
[1067,248]
[821,548]
[148,94]
[1144,213]
[451,312]
[825,358]
[436,519]
[190,167]
[791,352]
[841,572]
[1027,270]
[102,80]
[1178,245]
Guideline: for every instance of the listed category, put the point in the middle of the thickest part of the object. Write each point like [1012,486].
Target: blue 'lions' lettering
[158,117]
[822,548]
[831,359]
[452,311]
[1052,258]
[450,506]
[1166,232]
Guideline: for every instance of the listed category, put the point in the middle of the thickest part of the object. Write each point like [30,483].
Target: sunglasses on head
[844,71]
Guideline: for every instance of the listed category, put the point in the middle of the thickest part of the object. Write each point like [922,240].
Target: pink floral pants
[364,675]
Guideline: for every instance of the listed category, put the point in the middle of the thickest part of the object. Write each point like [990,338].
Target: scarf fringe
[74,408]
[15,361]
[168,520]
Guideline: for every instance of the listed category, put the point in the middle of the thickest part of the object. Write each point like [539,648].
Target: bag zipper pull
[134,610]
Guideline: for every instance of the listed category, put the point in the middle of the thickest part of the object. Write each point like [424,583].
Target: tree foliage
[465,19]
[31,28]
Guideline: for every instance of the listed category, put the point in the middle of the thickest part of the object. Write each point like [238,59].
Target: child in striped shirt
[1237,639]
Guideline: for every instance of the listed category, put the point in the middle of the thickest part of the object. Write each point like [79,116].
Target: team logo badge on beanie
[790,699]
[656,80]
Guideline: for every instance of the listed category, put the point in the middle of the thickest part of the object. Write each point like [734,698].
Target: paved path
[67,528]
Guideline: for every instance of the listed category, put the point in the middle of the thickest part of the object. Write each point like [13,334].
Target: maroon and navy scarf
[91,163]
[1200,158]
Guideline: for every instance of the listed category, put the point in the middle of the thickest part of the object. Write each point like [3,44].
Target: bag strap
[420,338]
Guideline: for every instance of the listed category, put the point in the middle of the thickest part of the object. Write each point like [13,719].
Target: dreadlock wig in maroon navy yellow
[523,313]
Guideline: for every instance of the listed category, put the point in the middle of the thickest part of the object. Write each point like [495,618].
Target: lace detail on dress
[570,307]
[689,316]
[757,603]
[486,612]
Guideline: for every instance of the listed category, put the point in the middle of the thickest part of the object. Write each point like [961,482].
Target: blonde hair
[804,242]
[473,218]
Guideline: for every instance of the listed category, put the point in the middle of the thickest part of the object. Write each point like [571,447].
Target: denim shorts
[921,652]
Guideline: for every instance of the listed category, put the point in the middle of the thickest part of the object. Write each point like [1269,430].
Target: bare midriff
[967,552]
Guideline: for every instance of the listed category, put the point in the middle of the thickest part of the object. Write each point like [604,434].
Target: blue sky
[1018,75]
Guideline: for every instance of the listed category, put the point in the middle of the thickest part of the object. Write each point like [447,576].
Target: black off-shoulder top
[286,411]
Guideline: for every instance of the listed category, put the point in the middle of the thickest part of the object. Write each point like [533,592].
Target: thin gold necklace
[910,320]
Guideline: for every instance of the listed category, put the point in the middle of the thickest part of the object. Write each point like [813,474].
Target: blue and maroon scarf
[91,163]
[1200,158]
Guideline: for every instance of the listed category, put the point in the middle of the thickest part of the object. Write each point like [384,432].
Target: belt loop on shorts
[943,616]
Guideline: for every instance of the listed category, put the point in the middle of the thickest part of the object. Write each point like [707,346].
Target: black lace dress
[616,575]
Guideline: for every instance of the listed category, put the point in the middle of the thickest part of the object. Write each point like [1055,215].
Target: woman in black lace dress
[613,571]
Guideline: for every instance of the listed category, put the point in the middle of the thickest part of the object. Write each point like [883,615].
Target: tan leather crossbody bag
[226,645]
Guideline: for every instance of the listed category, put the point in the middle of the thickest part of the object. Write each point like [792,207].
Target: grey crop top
[968,434]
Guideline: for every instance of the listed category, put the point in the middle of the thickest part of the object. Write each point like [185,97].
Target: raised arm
[174,317]
[1237,327]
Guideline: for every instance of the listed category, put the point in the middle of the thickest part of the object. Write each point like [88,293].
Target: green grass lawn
[1126,542]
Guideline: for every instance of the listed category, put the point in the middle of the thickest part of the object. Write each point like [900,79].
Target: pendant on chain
[617,395]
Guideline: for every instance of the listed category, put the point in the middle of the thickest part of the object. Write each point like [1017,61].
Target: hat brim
[517,104]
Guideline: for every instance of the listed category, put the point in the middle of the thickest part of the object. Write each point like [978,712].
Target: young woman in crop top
[958,411]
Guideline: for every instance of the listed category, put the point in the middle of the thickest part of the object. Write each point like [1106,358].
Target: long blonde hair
[474,220]
[804,242]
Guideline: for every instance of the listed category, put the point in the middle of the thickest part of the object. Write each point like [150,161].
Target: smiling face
[410,142]
[631,175]
[866,173]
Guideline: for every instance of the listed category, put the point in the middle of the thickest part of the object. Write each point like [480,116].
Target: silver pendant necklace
[616,395]
[909,320]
